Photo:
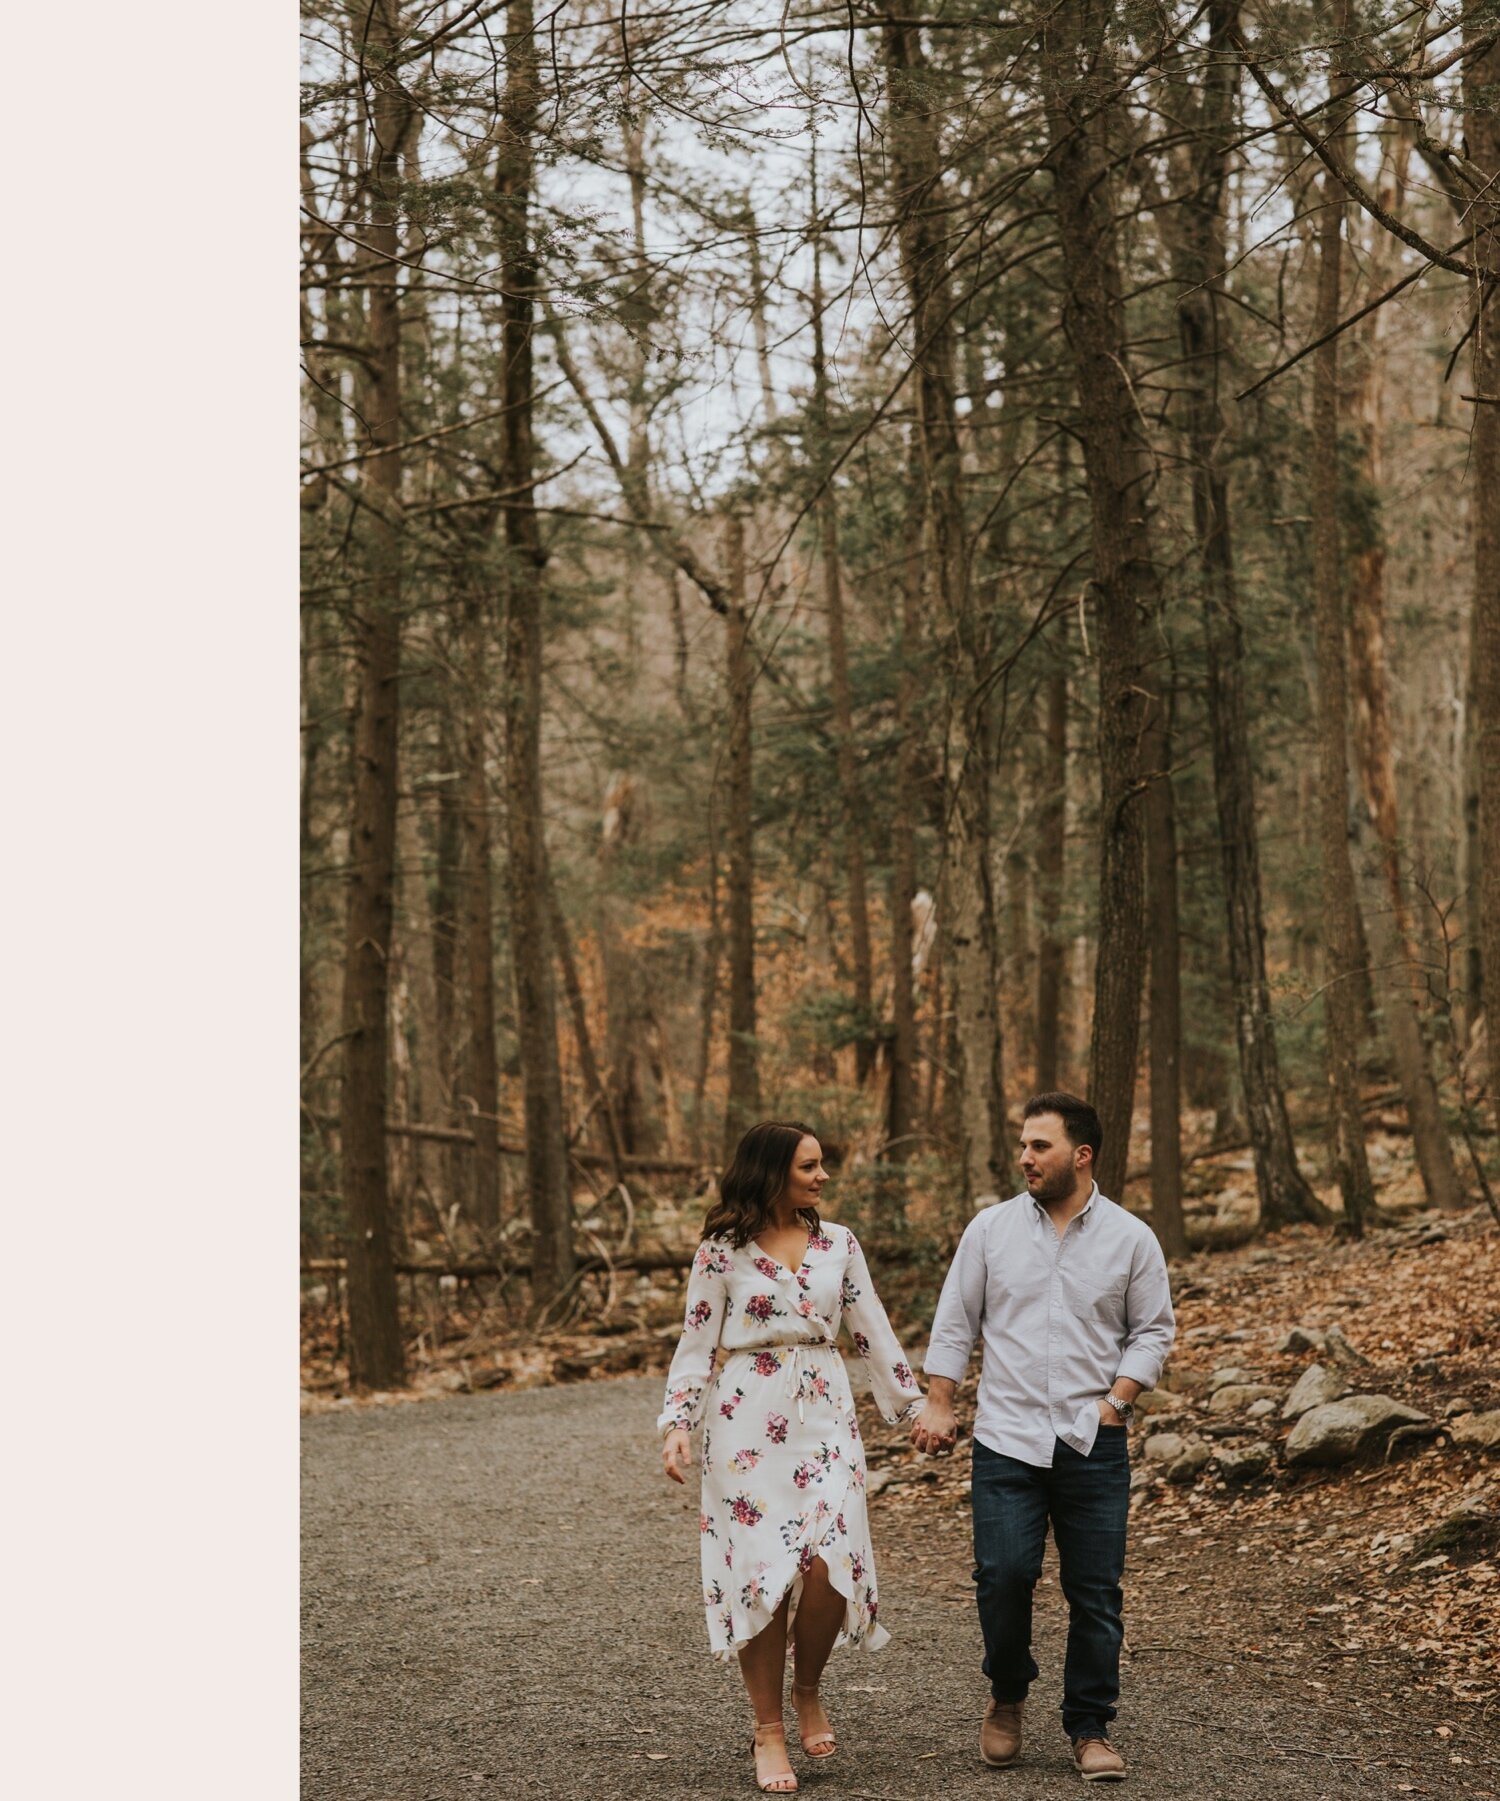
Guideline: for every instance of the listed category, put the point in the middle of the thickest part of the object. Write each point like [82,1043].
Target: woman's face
[805,1179]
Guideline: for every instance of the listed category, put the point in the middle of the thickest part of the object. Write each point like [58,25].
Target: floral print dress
[781,1455]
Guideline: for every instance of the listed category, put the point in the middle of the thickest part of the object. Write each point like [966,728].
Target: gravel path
[501,1597]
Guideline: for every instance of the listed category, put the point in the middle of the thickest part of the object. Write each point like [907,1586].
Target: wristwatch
[1125,1409]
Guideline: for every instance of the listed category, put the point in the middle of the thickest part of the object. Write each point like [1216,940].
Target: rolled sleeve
[960,1309]
[1150,1321]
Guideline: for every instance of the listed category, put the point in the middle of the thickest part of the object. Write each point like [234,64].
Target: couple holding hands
[1068,1295]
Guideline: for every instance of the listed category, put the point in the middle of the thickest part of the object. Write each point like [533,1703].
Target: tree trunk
[480,1101]
[446,941]
[1051,837]
[429,1100]
[843,707]
[598,1090]
[901,1115]
[744,1078]
[1201,262]
[376,1358]
[1482,129]
[1395,972]
[973,944]
[536,1016]
[1166,980]
[1118,465]
[1341,934]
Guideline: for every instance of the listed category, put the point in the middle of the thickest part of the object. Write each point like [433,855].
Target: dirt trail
[501,1597]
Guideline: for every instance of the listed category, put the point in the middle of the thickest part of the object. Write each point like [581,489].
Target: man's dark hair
[1080,1121]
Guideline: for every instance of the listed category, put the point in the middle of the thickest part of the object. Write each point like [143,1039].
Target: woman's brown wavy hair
[756,1176]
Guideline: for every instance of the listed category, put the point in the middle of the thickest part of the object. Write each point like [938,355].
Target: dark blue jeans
[1086,1499]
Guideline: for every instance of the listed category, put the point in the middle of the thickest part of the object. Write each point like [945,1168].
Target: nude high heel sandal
[819,1744]
[785,1784]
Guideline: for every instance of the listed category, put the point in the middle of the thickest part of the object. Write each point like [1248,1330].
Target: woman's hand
[935,1428]
[675,1455]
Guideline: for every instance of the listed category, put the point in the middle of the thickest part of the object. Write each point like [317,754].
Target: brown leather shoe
[1096,1760]
[1000,1734]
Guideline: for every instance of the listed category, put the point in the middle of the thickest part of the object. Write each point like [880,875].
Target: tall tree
[1342,956]
[1197,241]
[744,1070]
[838,660]
[973,948]
[1482,132]
[1079,78]
[1165,1014]
[376,1358]
[1051,835]
[536,1008]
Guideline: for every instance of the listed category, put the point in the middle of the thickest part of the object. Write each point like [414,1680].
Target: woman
[785,1539]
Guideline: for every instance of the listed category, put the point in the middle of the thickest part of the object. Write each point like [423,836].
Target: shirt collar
[1083,1212]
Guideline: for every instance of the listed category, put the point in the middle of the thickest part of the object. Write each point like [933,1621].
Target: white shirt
[1060,1317]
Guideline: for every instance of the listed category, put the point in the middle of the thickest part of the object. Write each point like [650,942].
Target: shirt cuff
[950,1365]
[1139,1366]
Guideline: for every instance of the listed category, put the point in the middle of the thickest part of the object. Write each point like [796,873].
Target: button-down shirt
[1061,1316]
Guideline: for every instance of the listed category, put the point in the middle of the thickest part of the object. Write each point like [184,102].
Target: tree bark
[973,945]
[843,706]
[1118,465]
[1395,975]
[1482,130]
[536,1014]
[1051,841]
[480,1100]
[901,1105]
[1198,242]
[744,1076]
[376,1358]
[1165,1036]
[1341,932]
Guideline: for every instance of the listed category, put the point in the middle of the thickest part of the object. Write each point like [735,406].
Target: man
[1069,1294]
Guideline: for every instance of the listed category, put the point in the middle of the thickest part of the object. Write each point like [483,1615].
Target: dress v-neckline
[806,1253]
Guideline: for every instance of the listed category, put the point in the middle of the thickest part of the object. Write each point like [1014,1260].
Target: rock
[1161,1400]
[1315,1387]
[1189,1382]
[1340,1431]
[1238,1395]
[1258,1410]
[1243,1463]
[1139,1479]
[1457,1406]
[1231,1374]
[877,1480]
[1479,1429]
[1302,1338]
[1164,1447]
[1193,1459]
[1340,1350]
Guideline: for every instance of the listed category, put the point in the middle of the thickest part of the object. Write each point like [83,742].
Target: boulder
[1302,1338]
[1236,1396]
[1340,1350]
[1341,1431]
[1481,1430]
[1232,1375]
[1161,1400]
[1164,1447]
[1187,1466]
[1459,1404]
[1242,1463]
[1315,1387]
[1259,1410]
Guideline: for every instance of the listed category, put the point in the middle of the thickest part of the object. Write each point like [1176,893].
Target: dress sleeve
[892,1384]
[693,1362]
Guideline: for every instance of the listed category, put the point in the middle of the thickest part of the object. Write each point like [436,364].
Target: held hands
[675,1455]
[935,1429]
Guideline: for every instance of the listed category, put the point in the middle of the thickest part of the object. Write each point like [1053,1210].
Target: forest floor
[501,1588]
